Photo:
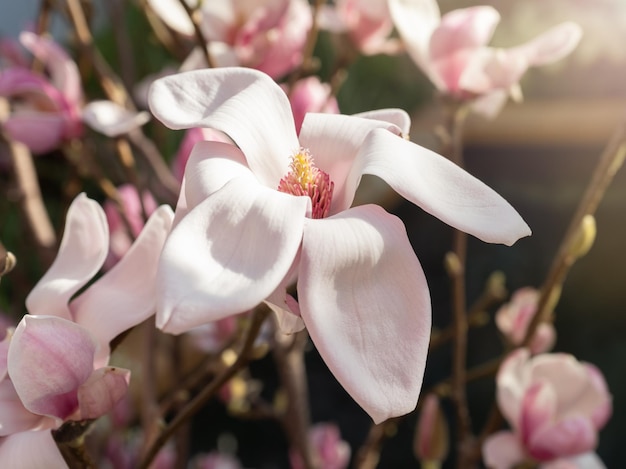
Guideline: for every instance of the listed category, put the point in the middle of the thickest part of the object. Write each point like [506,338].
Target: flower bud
[431,436]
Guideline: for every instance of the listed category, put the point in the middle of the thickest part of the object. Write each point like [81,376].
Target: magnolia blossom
[328,449]
[311,95]
[555,406]
[366,22]
[452,50]
[55,367]
[193,136]
[252,218]
[44,110]
[268,35]
[514,317]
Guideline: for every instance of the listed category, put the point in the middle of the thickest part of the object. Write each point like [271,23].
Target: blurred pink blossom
[216,460]
[254,217]
[513,319]
[555,405]
[431,435]
[328,449]
[452,51]
[311,95]
[45,111]
[120,240]
[191,137]
[268,35]
[366,22]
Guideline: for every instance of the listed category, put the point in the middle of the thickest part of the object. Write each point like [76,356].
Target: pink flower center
[304,178]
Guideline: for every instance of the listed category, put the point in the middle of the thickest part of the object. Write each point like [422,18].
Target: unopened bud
[585,236]
[7,264]
[496,285]
[452,264]
[431,441]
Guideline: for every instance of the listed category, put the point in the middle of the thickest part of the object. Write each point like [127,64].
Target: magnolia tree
[165,279]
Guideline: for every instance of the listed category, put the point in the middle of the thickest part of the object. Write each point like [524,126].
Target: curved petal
[439,187]
[568,437]
[334,141]
[173,14]
[31,450]
[104,388]
[111,119]
[364,299]
[552,45]
[398,117]
[415,21]
[512,380]
[228,254]
[493,69]
[245,104]
[502,450]
[49,359]
[538,409]
[83,249]
[41,132]
[14,417]
[126,294]
[63,70]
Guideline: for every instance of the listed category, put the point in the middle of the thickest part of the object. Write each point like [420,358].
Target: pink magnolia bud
[431,436]
[329,450]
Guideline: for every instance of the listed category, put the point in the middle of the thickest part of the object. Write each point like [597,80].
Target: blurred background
[539,154]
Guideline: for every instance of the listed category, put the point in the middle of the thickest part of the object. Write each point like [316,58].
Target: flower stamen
[304,178]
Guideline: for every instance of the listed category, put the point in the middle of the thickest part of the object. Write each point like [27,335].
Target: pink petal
[512,380]
[502,450]
[4,350]
[49,359]
[41,132]
[286,310]
[365,302]
[311,95]
[126,294]
[585,461]
[552,45]
[245,104]
[193,136]
[82,252]
[538,409]
[453,42]
[602,411]
[104,388]
[63,70]
[575,387]
[415,21]
[228,254]
[568,437]
[334,141]
[439,187]
[491,69]
[31,450]
[14,417]
[111,119]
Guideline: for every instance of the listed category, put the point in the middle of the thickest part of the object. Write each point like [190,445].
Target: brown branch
[208,392]
[195,16]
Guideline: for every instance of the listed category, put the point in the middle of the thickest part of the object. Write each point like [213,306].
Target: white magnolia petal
[83,249]
[503,450]
[415,21]
[334,141]
[228,254]
[111,119]
[244,103]
[173,14]
[31,450]
[126,295]
[552,45]
[364,299]
[399,117]
[440,188]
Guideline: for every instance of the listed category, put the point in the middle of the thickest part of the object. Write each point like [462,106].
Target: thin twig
[207,393]
[195,16]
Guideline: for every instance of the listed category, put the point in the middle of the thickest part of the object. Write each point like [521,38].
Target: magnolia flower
[252,218]
[56,363]
[366,22]
[45,111]
[268,35]
[555,405]
[513,319]
[452,51]
[311,95]
[328,449]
